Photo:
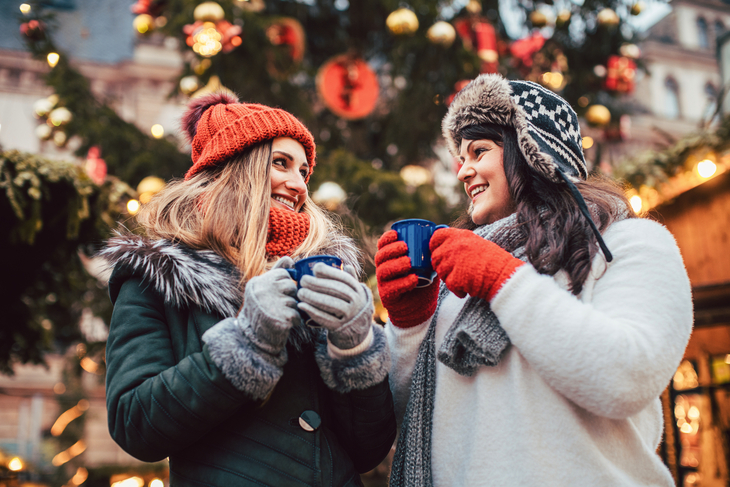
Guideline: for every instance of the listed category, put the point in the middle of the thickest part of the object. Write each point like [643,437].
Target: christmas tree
[371,79]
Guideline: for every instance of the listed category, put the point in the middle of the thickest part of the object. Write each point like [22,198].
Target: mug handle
[292,273]
[439,227]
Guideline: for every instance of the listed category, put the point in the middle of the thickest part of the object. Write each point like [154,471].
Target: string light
[157,483]
[129,482]
[15,464]
[132,207]
[52,59]
[587,142]
[25,8]
[80,476]
[89,365]
[636,203]
[207,40]
[67,416]
[157,131]
[706,168]
[73,451]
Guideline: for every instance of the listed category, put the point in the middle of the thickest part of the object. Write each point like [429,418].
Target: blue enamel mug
[304,268]
[417,233]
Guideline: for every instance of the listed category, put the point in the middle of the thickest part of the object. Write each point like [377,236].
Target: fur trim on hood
[186,277]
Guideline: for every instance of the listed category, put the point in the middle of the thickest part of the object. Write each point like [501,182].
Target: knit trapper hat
[219,127]
[547,128]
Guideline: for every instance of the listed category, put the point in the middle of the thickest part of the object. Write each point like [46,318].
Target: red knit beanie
[220,127]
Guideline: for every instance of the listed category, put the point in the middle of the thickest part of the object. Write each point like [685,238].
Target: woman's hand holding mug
[407,304]
[337,301]
[469,264]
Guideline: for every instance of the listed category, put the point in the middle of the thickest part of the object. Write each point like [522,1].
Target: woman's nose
[466,172]
[296,183]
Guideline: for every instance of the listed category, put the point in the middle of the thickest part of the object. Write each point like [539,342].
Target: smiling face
[289,168]
[482,172]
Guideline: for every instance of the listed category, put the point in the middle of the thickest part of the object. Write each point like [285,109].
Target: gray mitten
[337,301]
[270,308]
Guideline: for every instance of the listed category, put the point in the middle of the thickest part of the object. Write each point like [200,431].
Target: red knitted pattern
[407,305]
[287,231]
[226,129]
[469,264]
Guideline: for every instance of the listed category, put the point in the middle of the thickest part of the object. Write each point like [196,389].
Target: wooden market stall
[696,443]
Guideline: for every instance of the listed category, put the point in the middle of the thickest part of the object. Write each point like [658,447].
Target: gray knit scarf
[475,338]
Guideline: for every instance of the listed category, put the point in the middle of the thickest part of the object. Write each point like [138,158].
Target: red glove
[407,305]
[468,264]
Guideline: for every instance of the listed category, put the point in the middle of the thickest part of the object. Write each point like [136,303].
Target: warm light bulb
[686,428]
[587,142]
[25,8]
[636,203]
[52,59]
[693,412]
[157,131]
[706,168]
[132,206]
[15,464]
[727,358]
[157,483]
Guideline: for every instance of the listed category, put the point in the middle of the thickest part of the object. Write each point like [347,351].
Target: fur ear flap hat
[547,130]
[219,127]
[547,127]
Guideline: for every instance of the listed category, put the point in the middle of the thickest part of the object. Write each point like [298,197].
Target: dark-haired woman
[208,361]
[538,355]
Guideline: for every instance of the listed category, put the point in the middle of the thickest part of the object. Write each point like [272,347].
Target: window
[702,36]
[710,102]
[719,28]
[671,99]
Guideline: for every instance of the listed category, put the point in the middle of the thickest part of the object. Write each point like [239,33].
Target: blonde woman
[208,362]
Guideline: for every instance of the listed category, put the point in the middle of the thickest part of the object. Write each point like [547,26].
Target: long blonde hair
[226,209]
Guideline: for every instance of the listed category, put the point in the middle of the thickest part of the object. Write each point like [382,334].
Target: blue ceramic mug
[417,234]
[304,268]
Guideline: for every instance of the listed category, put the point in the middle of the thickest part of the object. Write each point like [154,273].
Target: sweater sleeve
[615,353]
[156,404]
[404,344]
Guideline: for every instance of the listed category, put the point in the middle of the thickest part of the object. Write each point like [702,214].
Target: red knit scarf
[287,231]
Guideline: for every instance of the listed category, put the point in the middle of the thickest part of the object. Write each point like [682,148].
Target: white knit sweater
[575,400]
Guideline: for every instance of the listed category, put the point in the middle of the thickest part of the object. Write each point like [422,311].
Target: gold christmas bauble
[402,22]
[43,132]
[42,107]
[143,23]
[630,50]
[148,187]
[209,12]
[598,115]
[637,8]
[607,18]
[441,33]
[60,116]
[474,7]
[59,138]
[563,18]
[538,19]
[189,84]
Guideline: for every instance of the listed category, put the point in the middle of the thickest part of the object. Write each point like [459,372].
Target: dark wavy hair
[554,232]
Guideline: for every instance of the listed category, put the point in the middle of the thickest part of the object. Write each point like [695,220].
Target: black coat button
[309,421]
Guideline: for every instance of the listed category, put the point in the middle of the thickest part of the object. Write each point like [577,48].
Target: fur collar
[186,277]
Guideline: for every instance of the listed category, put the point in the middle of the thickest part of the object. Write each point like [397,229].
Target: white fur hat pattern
[547,127]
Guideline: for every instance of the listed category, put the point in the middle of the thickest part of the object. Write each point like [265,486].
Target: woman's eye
[304,173]
[279,162]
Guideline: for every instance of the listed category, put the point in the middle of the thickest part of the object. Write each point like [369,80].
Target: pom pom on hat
[198,106]
[220,127]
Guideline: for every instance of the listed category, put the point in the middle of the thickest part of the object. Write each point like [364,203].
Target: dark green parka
[183,382]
